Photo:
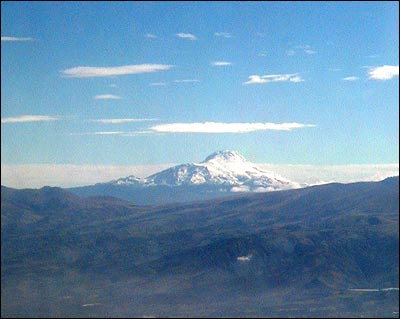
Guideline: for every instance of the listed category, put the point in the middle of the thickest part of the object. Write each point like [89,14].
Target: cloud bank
[385,72]
[29,118]
[217,127]
[257,79]
[88,71]
[67,175]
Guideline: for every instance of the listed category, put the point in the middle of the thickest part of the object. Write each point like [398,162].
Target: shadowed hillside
[269,254]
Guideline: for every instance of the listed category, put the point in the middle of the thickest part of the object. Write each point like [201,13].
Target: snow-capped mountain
[227,169]
[130,180]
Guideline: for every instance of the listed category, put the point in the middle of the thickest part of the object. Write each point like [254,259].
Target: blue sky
[138,83]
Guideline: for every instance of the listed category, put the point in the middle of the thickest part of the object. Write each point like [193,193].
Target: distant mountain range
[220,173]
[300,252]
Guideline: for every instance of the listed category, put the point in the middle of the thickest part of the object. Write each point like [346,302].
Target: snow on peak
[226,168]
[130,180]
[225,155]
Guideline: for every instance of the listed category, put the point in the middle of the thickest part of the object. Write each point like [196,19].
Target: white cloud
[188,36]
[108,133]
[107,97]
[253,79]
[187,81]
[304,48]
[257,79]
[241,188]
[29,118]
[350,78]
[296,79]
[309,51]
[88,71]
[221,63]
[223,34]
[263,54]
[158,84]
[385,72]
[290,52]
[150,36]
[244,258]
[119,121]
[97,133]
[217,127]
[16,39]
[140,133]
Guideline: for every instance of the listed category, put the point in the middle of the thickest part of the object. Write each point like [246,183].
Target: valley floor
[75,295]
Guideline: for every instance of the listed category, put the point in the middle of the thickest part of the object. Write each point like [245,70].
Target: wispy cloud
[188,36]
[16,39]
[221,63]
[262,54]
[302,48]
[88,71]
[350,78]
[97,133]
[385,72]
[187,81]
[108,133]
[107,97]
[119,121]
[309,51]
[29,118]
[223,34]
[139,133]
[257,79]
[306,49]
[217,127]
[158,84]
[150,36]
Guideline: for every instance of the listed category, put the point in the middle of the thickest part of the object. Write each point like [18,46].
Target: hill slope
[298,245]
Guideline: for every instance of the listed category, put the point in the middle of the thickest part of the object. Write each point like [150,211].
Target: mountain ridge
[317,243]
[220,174]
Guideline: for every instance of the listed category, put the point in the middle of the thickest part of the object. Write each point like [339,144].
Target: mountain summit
[226,169]
[226,155]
